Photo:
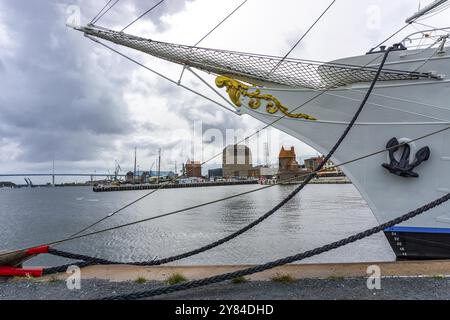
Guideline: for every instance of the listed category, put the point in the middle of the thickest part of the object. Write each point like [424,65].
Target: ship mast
[425,10]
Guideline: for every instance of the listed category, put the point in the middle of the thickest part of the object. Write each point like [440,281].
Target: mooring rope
[125,225]
[89,260]
[218,154]
[93,260]
[280,262]
[213,157]
[78,235]
[280,204]
[249,271]
[204,162]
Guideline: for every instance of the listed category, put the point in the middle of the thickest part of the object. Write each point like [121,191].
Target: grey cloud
[192,108]
[62,95]
[125,12]
[167,7]
[42,145]
[55,99]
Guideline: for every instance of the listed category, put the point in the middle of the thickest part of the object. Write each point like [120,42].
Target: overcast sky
[64,97]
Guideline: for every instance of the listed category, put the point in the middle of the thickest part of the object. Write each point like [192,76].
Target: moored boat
[407,111]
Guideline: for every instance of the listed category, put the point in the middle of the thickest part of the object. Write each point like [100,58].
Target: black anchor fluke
[402,167]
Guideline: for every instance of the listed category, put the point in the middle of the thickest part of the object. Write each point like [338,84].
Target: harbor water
[318,215]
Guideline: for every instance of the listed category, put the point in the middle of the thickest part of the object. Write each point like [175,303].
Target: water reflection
[320,214]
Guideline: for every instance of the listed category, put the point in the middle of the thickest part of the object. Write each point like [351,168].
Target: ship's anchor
[402,167]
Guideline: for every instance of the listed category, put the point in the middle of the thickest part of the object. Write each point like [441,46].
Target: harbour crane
[117,169]
[151,167]
[29,183]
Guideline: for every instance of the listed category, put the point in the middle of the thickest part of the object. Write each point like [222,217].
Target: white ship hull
[410,100]
[405,110]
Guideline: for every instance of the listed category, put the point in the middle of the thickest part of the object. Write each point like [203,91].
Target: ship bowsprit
[255,68]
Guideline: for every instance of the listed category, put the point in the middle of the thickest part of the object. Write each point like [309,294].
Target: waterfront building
[190,180]
[193,169]
[263,172]
[236,161]
[328,170]
[312,163]
[215,173]
[129,177]
[288,167]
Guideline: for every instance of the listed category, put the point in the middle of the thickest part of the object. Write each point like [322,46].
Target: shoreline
[120,273]
[406,280]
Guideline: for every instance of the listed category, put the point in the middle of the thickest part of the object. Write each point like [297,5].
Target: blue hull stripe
[418,230]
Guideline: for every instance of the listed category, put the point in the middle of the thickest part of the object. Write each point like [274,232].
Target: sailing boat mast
[135,155]
[159,164]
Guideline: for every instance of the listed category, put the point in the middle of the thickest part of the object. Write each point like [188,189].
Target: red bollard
[12,263]
[19,272]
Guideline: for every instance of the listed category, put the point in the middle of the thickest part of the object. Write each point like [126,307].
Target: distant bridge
[61,175]
[139,173]
[91,176]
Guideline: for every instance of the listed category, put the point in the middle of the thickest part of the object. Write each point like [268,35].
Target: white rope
[160,74]
[210,86]
[389,108]
[402,99]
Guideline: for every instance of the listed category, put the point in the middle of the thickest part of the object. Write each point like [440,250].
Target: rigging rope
[78,236]
[127,26]
[250,136]
[254,68]
[99,17]
[424,25]
[88,260]
[155,190]
[302,37]
[204,162]
[93,260]
[398,31]
[439,9]
[95,17]
[206,281]
[255,133]
[220,23]
[434,12]
[142,15]
[298,189]
[204,37]
[280,262]
[391,36]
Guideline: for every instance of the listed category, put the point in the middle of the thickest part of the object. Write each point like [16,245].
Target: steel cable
[93,260]
[141,16]
[99,17]
[213,157]
[117,227]
[204,162]
[302,37]
[96,16]
[280,262]
[292,194]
